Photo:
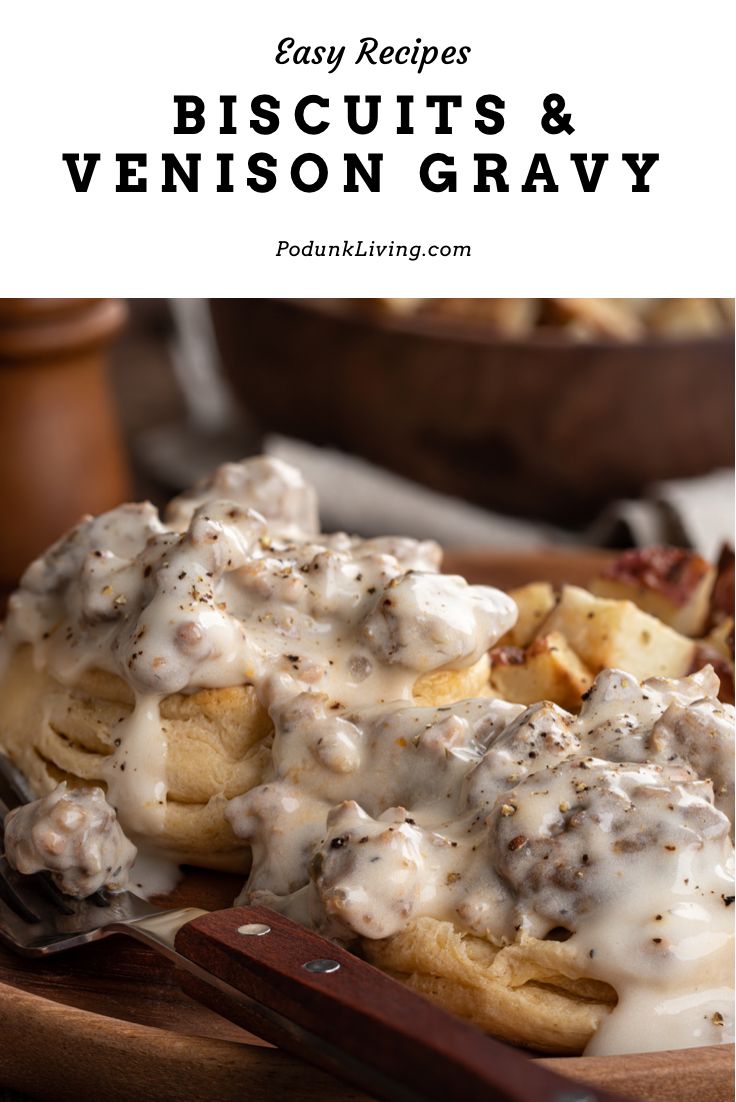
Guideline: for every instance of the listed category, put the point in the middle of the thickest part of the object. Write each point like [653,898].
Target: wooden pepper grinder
[61,452]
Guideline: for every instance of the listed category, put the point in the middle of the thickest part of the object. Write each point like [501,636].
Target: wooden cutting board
[108,1020]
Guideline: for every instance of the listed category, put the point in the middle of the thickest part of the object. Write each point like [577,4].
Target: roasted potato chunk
[670,583]
[548,669]
[534,602]
[607,633]
[720,639]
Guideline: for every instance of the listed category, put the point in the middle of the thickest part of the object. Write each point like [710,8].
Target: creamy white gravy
[510,822]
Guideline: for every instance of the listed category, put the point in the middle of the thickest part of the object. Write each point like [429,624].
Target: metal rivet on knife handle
[321,965]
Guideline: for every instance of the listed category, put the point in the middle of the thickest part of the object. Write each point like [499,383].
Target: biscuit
[218,745]
[528,993]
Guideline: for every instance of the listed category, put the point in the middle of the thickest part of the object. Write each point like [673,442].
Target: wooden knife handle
[327,1006]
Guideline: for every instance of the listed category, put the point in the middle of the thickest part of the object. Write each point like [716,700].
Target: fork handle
[332,1009]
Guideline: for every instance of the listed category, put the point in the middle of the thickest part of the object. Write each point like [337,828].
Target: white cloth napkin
[693,512]
[359,497]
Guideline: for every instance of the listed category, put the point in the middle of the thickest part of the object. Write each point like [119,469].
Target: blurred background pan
[546,425]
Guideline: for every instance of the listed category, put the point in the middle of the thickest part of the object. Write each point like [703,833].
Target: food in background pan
[625,319]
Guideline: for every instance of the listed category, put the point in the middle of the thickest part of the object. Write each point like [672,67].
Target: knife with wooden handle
[325,1005]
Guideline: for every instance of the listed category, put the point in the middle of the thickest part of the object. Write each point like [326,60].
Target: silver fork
[36,919]
[287,985]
